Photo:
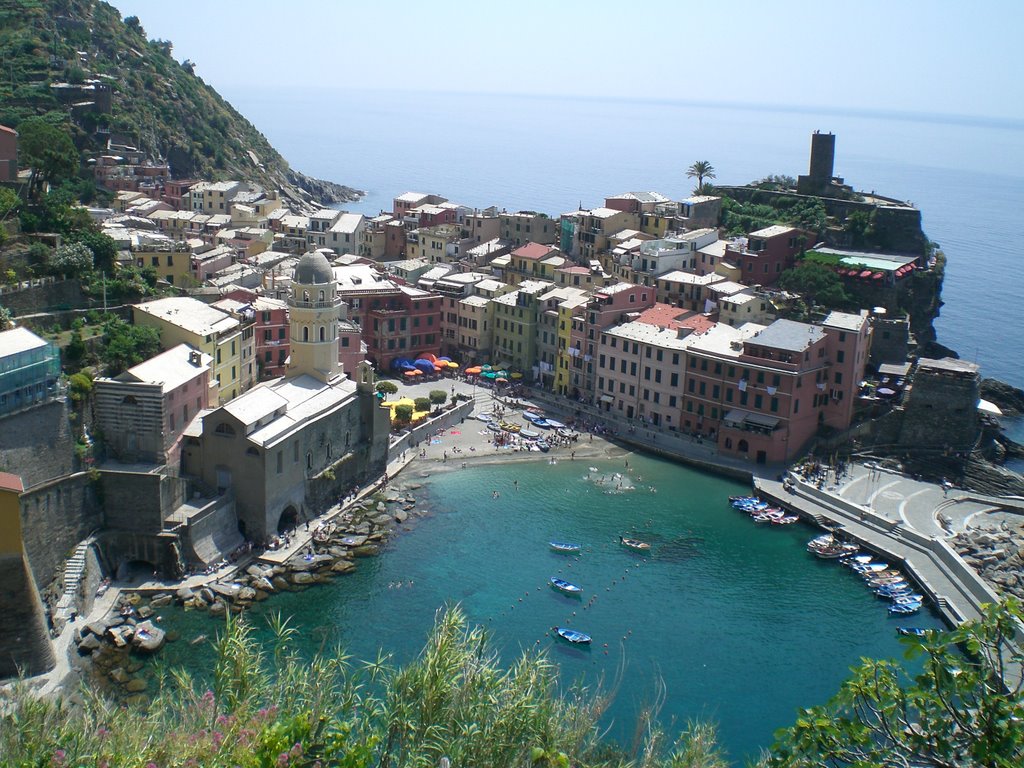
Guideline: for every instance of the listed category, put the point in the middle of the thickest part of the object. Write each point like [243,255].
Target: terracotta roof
[9,482]
[533,251]
[666,316]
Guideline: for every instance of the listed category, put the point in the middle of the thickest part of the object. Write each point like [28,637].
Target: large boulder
[279,582]
[149,637]
[343,566]
[88,644]
[302,577]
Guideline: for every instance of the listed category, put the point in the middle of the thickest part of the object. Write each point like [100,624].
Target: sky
[910,56]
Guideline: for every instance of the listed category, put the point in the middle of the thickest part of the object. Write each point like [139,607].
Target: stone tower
[819,175]
[314,307]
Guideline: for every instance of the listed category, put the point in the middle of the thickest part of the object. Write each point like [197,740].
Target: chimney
[195,358]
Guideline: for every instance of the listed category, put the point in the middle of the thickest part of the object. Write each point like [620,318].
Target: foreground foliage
[956,713]
[273,708]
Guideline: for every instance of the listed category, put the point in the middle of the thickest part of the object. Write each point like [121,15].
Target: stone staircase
[74,569]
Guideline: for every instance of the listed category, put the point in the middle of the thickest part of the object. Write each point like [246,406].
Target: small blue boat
[905,609]
[572,636]
[564,586]
[912,631]
[565,546]
[543,445]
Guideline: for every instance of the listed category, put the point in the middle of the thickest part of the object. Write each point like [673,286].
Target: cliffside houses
[566,302]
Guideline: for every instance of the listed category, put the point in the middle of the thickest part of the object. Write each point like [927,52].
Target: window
[295,452]
[840,356]
[280,462]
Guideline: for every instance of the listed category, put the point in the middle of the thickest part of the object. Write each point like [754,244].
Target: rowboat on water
[565,546]
[572,636]
[565,587]
[912,631]
[640,546]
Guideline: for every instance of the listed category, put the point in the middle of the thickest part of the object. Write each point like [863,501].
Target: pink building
[764,395]
[144,411]
[271,331]
[610,305]
[768,252]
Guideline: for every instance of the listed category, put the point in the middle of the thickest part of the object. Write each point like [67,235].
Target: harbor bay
[737,621]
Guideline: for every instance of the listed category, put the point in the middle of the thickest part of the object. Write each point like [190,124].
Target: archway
[289,519]
[134,571]
[742,446]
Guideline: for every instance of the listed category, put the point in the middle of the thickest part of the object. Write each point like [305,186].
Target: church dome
[313,269]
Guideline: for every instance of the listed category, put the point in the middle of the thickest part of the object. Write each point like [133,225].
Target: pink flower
[282,759]
[296,751]
[59,758]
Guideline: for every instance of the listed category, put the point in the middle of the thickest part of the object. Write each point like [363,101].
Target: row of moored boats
[574,636]
[761,511]
[886,581]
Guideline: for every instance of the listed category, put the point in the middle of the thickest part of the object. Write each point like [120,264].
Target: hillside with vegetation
[156,103]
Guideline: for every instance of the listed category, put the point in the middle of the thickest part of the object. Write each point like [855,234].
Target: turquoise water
[737,620]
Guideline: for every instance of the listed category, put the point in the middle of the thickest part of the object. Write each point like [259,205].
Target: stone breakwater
[115,642]
[997,554]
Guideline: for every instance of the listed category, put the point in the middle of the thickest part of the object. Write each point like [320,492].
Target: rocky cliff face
[115,85]
[1010,399]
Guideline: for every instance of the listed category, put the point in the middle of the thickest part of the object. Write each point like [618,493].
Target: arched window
[305,333]
[129,400]
[305,295]
[323,333]
[225,429]
[321,295]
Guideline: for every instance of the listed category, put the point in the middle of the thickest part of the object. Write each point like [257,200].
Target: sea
[724,620]
[555,154]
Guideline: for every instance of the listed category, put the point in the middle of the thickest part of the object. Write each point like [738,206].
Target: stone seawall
[24,640]
[38,444]
[55,517]
[139,501]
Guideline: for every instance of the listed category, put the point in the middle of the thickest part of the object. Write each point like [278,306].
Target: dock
[957,591]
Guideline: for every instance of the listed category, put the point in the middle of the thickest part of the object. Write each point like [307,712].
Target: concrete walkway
[905,520]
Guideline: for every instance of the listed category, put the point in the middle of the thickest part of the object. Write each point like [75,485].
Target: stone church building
[288,448]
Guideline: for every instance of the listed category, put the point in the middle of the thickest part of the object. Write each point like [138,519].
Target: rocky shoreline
[115,643]
[997,554]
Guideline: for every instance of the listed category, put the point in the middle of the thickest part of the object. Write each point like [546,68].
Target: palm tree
[700,170]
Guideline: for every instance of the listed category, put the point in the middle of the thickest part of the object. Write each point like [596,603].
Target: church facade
[289,448]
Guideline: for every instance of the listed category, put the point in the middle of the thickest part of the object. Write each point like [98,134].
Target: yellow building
[10,514]
[436,244]
[563,363]
[24,639]
[172,261]
[595,227]
[184,320]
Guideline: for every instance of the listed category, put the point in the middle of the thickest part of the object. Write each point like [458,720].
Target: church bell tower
[314,307]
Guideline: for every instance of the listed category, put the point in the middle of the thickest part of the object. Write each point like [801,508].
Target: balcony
[336,302]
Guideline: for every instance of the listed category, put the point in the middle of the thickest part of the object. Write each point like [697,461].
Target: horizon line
[950,118]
